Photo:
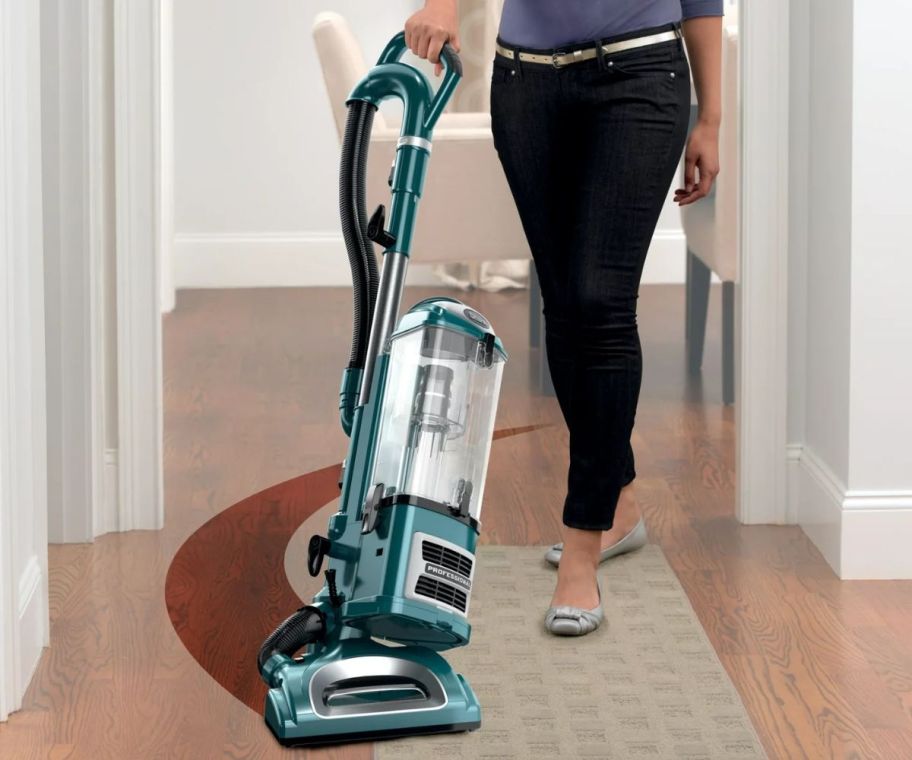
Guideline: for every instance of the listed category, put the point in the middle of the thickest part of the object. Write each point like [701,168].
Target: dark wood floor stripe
[226,587]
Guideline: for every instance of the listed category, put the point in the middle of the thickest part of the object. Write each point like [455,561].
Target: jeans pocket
[504,71]
[646,61]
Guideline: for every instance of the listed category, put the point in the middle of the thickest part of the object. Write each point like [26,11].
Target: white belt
[557,60]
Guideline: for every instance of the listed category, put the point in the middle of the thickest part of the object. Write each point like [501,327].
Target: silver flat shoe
[573,621]
[637,538]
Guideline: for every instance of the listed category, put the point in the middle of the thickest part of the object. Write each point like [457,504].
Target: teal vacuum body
[418,401]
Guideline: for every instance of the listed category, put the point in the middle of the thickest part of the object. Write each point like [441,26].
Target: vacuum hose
[308,624]
[353,211]
[304,627]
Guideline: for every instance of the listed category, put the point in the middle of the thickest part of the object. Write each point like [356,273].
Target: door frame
[23,430]
[139,220]
[761,292]
[143,30]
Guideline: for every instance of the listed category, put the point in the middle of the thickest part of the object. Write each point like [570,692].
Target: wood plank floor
[824,667]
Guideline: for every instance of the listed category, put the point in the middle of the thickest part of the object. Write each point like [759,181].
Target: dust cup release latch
[486,350]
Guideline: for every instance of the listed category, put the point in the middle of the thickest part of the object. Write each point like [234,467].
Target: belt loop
[600,54]
[517,63]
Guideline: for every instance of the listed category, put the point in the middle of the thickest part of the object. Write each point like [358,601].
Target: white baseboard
[107,518]
[268,260]
[875,543]
[32,622]
[793,482]
[861,534]
[26,636]
[815,499]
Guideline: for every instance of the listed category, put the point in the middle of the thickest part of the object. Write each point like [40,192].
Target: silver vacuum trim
[439,573]
[342,688]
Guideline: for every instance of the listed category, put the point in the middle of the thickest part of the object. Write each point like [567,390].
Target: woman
[590,103]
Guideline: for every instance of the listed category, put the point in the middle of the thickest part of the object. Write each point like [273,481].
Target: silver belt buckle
[554,62]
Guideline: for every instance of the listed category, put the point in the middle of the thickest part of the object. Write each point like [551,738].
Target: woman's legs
[589,154]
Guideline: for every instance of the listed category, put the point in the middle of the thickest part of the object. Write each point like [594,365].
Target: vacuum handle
[450,59]
[452,73]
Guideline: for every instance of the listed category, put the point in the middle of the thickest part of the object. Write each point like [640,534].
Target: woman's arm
[427,30]
[703,36]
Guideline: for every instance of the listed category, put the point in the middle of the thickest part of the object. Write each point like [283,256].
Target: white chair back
[711,224]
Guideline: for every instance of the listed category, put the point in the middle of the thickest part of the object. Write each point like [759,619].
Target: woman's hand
[703,36]
[701,163]
[429,29]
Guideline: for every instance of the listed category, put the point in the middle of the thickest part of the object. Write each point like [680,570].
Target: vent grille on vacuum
[442,592]
[451,560]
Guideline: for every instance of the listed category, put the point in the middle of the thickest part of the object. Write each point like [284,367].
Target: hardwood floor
[251,383]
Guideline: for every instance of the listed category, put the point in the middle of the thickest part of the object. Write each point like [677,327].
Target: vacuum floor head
[364,690]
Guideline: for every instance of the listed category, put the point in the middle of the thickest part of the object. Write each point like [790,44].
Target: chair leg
[535,307]
[687,276]
[697,302]
[728,343]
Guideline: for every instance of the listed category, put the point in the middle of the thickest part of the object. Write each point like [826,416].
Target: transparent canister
[437,413]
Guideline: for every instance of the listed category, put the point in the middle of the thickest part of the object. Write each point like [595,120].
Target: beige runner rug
[649,685]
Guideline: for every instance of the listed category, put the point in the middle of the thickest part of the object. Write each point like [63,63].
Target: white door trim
[75,139]
[137,140]
[23,464]
[761,293]
[100,139]
[166,164]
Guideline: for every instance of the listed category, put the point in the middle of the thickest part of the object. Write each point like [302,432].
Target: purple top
[548,24]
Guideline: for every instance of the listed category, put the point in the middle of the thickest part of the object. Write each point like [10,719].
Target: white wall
[820,270]
[799,115]
[877,514]
[829,216]
[881,377]
[23,510]
[852,318]
[255,148]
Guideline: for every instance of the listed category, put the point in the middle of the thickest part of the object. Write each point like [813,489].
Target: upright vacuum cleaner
[418,401]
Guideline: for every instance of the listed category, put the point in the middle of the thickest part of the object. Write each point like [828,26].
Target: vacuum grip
[452,68]
[396,48]
[451,59]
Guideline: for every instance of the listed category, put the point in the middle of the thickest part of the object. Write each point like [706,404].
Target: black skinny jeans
[589,151]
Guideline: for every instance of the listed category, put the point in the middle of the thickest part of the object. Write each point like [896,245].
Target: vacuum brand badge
[448,575]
